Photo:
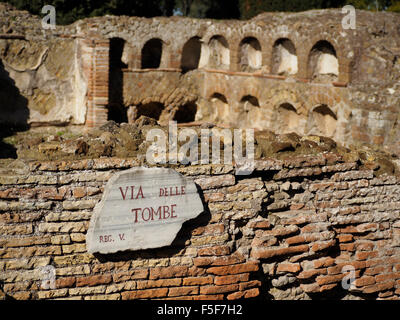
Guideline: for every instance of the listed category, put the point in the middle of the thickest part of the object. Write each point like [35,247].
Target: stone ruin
[285,72]
[312,206]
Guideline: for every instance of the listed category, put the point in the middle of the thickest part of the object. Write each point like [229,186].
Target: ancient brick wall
[285,232]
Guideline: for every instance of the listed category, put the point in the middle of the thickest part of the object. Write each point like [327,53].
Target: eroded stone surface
[142,208]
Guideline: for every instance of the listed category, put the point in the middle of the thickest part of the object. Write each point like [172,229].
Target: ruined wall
[46,82]
[345,80]
[42,70]
[285,232]
[301,71]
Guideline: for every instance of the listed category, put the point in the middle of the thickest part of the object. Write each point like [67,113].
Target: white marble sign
[142,208]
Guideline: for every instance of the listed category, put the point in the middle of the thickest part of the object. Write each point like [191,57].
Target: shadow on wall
[186,113]
[116,109]
[14,112]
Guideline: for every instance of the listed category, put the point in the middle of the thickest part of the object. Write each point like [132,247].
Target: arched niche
[323,64]
[191,54]
[219,108]
[286,119]
[250,56]
[324,120]
[151,110]
[250,112]
[284,58]
[152,54]
[219,55]
[186,113]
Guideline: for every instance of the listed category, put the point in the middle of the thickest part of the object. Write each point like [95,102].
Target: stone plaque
[142,208]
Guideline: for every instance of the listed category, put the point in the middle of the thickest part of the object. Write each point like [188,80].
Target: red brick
[261,253]
[345,237]
[235,295]
[296,240]
[218,261]
[296,206]
[288,267]
[348,229]
[93,280]
[144,294]
[195,271]
[264,241]
[280,231]
[322,280]
[210,229]
[319,246]
[230,279]
[374,262]
[214,197]
[328,287]
[311,228]
[219,289]
[249,284]
[393,260]
[251,293]
[347,247]
[130,275]
[51,193]
[388,276]
[168,272]
[264,224]
[79,192]
[192,281]
[234,269]
[147,284]
[363,255]
[311,273]
[214,251]
[67,282]
[310,288]
[324,262]
[379,287]
[376,270]
[183,291]
[364,281]
[365,246]
[358,265]
[366,227]
[209,297]
[385,294]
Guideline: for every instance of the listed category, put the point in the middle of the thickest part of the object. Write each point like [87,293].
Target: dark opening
[191,55]
[219,97]
[288,107]
[151,54]
[324,47]
[325,111]
[151,110]
[251,99]
[116,108]
[186,113]
[117,113]
[14,113]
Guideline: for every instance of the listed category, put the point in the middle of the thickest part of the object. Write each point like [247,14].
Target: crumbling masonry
[310,208]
